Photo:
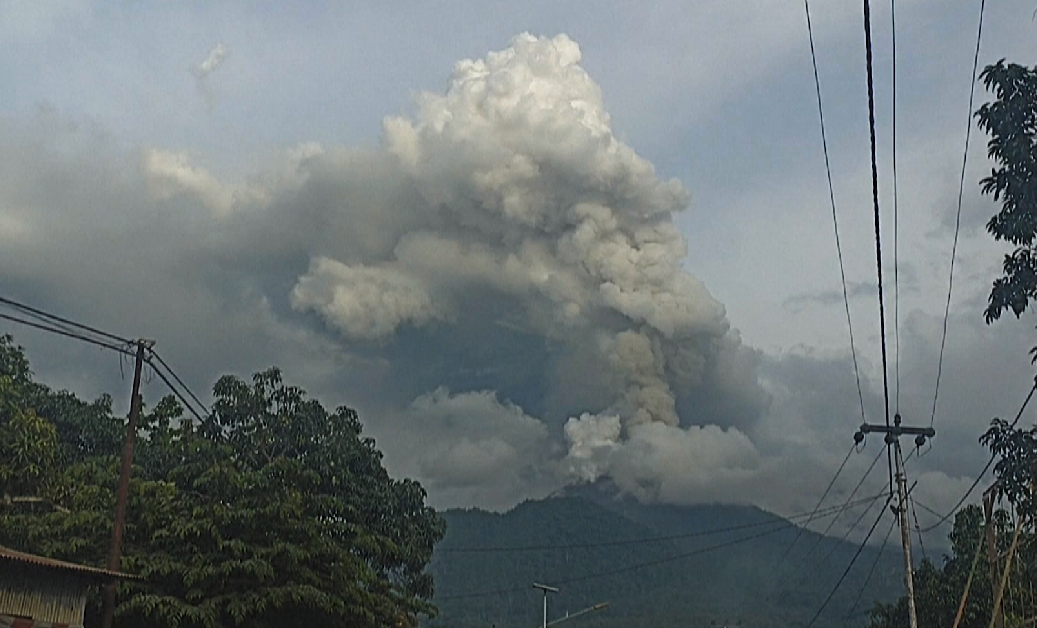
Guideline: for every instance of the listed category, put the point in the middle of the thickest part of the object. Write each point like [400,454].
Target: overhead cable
[820,501]
[983,471]
[654,539]
[835,218]
[846,505]
[172,373]
[878,230]
[853,560]
[896,214]
[783,525]
[67,334]
[38,312]
[871,572]
[176,392]
[957,216]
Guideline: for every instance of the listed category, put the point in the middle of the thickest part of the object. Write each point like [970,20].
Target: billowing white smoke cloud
[486,451]
[202,70]
[531,198]
[502,218]
[662,462]
[212,61]
[501,245]
[363,302]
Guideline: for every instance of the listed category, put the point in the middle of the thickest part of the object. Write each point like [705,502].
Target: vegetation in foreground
[270,512]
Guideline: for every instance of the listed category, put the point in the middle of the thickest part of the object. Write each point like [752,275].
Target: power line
[67,334]
[986,467]
[878,231]
[60,325]
[612,572]
[852,527]
[676,557]
[708,532]
[835,219]
[918,528]
[93,330]
[957,218]
[835,477]
[156,356]
[176,392]
[846,506]
[871,572]
[896,213]
[780,525]
[852,561]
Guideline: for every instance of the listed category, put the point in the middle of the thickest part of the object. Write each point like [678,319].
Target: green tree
[1011,121]
[938,589]
[272,511]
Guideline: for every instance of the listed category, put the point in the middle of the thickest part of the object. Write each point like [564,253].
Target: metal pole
[545,609]
[905,534]
[122,493]
[546,589]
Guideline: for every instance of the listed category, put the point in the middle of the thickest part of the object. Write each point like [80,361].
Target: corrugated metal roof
[7,554]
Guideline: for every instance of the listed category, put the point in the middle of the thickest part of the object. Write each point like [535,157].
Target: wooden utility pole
[123,491]
[991,534]
[892,439]
[905,531]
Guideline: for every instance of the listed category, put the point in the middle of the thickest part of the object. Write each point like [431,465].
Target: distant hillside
[746,584]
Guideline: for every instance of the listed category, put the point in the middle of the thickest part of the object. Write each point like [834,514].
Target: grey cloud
[502,237]
[554,292]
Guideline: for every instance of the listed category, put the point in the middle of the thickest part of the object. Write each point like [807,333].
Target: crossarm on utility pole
[892,439]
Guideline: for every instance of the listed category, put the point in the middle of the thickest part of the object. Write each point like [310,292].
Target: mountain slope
[593,547]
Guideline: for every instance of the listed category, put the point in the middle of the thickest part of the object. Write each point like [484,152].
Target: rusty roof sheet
[8,554]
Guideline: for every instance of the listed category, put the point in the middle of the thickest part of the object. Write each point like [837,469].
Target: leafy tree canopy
[272,511]
[1011,122]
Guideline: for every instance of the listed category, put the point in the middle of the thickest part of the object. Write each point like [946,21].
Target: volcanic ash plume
[530,199]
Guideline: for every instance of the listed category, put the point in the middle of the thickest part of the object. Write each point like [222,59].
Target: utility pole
[545,591]
[892,438]
[989,496]
[123,491]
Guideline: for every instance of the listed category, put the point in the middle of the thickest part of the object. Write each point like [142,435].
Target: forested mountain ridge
[596,549]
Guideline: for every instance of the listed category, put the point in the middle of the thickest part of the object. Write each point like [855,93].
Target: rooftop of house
[14,556]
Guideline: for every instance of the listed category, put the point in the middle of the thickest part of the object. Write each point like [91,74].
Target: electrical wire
[176,392]
[957,218]
[918,528]
[835,219]
[896,214]
[172,373]
[612,572]
[878,230]
[852,527]
[780,525]
[698,533]
[871,572]
[67,334]
[59,319]
[986,467]
[62,326]
[846,505]
[835,477]
[853,560]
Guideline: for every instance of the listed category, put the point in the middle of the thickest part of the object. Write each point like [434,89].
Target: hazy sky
[533,242]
